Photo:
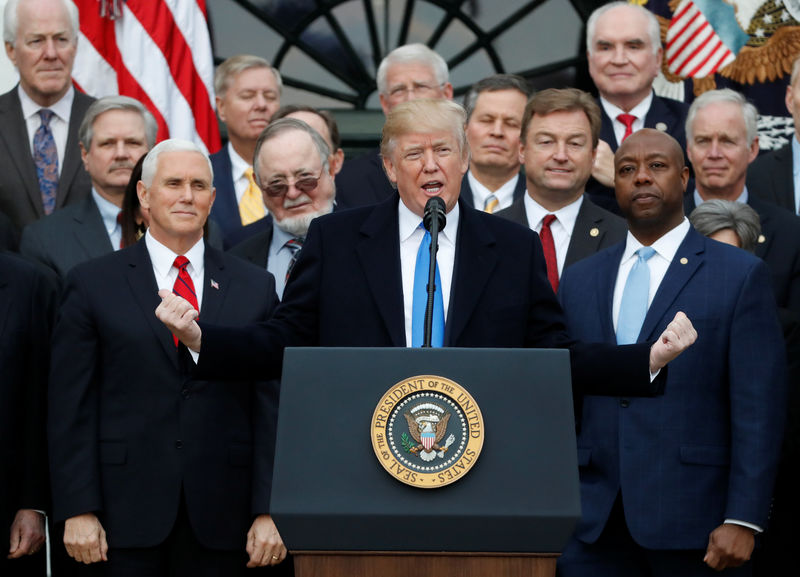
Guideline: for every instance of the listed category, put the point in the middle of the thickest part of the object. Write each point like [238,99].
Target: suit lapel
[72,154]
[607,129]
[660,113]
[466,192]
[474,263]
[582,243]
[782,176]
[14,132]
[607,279]
[379,254]
[216,283]
[90,232]
[682,268]
[145,293]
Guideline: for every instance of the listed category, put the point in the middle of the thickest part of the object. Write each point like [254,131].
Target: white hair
[412,53]
[653,27]
[11,21]
[749,112]
[150,163]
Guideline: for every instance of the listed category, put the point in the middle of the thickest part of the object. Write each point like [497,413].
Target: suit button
[185,392]
[624,403]
[178,444]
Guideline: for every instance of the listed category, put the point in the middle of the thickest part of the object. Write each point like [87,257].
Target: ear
[384,104]
[220,108]
[684,177]
[84,153]
[11,53]
[141,192]
[338,161]
[448,91]
[388,167]
[753,150]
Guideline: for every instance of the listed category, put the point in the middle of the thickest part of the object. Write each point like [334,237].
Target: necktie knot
[627,120]
[548,220]
[46,115]
[251,205]
[295,244]
[490,204]
[181,262]
[645,253]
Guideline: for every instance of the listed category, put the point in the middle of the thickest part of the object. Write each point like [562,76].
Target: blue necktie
[633,307]
[45,157]
[421,299]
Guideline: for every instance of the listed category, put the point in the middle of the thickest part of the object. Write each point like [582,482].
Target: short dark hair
[333,128]
[494,84]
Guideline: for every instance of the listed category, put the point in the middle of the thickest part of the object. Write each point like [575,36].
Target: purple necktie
[45,157]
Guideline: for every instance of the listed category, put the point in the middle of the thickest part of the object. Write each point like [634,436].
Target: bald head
[655,139]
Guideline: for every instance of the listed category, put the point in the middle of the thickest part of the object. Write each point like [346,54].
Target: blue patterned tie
[420,299]
[294,245]
[633,307]
[45,157]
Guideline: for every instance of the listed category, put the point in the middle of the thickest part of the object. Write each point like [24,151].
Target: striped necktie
[184,287]
[294,245]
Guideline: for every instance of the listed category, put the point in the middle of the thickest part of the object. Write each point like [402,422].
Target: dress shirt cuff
[654,375]
[196,355]
[755,528]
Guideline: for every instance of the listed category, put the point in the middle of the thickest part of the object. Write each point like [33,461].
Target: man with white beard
[293,167]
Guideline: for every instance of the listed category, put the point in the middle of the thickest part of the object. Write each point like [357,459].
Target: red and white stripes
[157,51]
[694,50]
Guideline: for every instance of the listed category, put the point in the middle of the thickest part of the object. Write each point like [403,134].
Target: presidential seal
[427,431]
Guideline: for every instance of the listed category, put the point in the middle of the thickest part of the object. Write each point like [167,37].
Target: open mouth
[433,187]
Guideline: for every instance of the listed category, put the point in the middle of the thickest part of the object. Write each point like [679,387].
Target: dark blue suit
[707,449]
[131,431]
[362,181]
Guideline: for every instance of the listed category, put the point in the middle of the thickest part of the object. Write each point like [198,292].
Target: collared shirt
[639,111]
[796,172]
[109,213]
[279,258]
[698,200]
[239,167]
[411,235]
[59,124]
[504,194]
[561,228]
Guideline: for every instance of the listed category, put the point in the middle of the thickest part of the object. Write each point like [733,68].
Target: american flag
[157,51]
[702,37]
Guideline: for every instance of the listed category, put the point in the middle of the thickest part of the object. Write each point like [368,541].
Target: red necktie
[627,120]
[184,287]
[549,248]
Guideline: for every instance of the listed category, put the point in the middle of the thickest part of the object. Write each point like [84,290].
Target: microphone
[434,220]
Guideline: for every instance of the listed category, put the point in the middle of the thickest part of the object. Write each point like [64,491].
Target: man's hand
[603,167]
[729,545]
[264,543]
[676,338]
[27,533]
[85,539]
[179,317]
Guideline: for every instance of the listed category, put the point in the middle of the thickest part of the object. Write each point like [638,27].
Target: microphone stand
[436,212]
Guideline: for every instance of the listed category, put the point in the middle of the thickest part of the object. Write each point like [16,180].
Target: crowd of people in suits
[141,352]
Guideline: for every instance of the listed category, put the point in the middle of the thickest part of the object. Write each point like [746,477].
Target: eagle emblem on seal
[427,424]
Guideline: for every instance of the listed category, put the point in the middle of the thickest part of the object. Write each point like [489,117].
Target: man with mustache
[114,134]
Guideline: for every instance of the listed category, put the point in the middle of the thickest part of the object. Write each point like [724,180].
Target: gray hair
[107,103]
[749,112]
[717,214]
[282,125]
[235,65]
[494,83]
[653,27]
[150,163]
[412,53]
[11,21]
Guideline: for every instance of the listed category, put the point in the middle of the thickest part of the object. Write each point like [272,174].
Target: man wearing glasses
[294,170]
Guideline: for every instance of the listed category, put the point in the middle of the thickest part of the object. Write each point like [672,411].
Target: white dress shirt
[411,235]
[561,228]
[59,124]
[639,111]
[796,173]
[504,194]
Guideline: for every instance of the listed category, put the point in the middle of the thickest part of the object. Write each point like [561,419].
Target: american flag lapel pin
[214,284]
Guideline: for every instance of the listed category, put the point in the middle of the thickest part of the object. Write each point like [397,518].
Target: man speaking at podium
[354,282]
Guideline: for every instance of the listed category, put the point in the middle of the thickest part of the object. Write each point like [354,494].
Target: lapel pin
[661,126]
[761,239]
[594,232]
[684,260]
[214,284]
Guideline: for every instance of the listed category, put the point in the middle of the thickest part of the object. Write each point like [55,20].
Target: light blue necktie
[633,307]
[420,299]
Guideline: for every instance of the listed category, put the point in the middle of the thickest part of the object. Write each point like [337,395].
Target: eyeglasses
[418,89]
[304,184]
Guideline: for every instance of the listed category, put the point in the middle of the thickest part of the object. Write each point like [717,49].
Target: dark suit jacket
[27,306]
[67,237]
[20,197]
[707,449]
[256,248]
[9,236]
[608,228]
[346,291]
[770,177]
[466,190]
[130,429]
[780,230]
[666,111]
[362,181]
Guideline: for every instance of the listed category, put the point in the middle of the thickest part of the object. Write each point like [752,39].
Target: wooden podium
[341,513]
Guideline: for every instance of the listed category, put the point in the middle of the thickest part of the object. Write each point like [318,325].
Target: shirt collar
[639,111]
[505,192]
[795,155]
[163,258]
[108,210]
[62,108]
[566,215]
[238,164]
[698,200]
[409,222]
[666,246]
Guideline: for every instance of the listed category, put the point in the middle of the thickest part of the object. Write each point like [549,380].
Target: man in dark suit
[353,283]
[495,106]
[294,170]
[722,141]
[560,131]
[39,158]
[153,471]
[685,478]
[624,51]
[406,73]
[114,134]
[248,94]
[772,175]
[26,309]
